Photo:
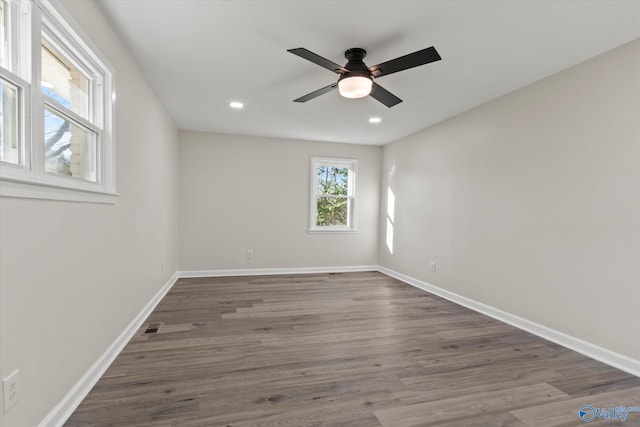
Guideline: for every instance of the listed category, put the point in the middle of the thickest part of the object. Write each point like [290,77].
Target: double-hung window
[333,194]
[56,107]
[14,87]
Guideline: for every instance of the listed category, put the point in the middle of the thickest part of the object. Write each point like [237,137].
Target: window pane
[3,37]
[332,211]
[332,180]
[10,147]
[64,82]
[70,149]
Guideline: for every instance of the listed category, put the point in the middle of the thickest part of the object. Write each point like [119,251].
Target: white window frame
[17,71]
[47,19]
[352,165]
[23,130]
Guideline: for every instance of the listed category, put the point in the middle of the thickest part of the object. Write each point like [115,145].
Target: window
[13,87]
[333,194]
[56,107]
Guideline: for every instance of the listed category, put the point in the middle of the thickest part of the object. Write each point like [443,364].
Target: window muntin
[333,194]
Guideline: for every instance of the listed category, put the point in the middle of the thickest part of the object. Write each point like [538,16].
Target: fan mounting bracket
[355,54]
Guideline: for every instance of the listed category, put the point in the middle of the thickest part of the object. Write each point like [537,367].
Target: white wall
[73,275]
[239,192]
[531,203]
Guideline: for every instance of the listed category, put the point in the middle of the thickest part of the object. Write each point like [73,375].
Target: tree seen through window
[332,202]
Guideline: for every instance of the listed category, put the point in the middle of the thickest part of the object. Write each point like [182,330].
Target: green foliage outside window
[332,202]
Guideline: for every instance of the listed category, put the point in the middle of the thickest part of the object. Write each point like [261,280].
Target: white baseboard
[272,271]
[591,350]
[63,410]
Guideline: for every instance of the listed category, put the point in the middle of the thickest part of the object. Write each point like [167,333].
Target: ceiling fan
[356,79]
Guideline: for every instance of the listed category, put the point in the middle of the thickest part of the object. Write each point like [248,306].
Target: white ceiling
[201,54]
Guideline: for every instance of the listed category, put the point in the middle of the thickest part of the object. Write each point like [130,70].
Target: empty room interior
[319,213]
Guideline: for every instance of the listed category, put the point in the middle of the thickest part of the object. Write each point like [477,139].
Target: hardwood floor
[348,349]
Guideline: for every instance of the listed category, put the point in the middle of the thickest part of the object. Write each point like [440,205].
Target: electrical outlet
[11,390]
[250,254]
[433,266]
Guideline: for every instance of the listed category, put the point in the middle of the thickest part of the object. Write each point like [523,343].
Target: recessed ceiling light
[235,104]
[375,119]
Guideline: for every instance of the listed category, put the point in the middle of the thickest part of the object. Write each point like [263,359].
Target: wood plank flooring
[347,349]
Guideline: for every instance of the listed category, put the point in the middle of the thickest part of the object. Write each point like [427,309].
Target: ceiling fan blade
[317,93]
[319,60]
[381,94]
[405,62]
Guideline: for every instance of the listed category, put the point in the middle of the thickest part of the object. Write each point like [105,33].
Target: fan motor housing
[356,66]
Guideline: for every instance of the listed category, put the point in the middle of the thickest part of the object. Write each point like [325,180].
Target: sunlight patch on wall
[391,206]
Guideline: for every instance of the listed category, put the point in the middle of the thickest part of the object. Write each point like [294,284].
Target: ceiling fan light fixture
[356,79]
[355,87]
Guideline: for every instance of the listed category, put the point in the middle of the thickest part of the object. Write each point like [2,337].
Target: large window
[333,194]
[56,107]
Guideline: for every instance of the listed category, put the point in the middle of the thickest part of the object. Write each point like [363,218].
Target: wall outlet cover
[11,390]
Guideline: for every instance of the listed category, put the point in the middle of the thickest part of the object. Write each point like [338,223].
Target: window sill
[26,189]
[333,230]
